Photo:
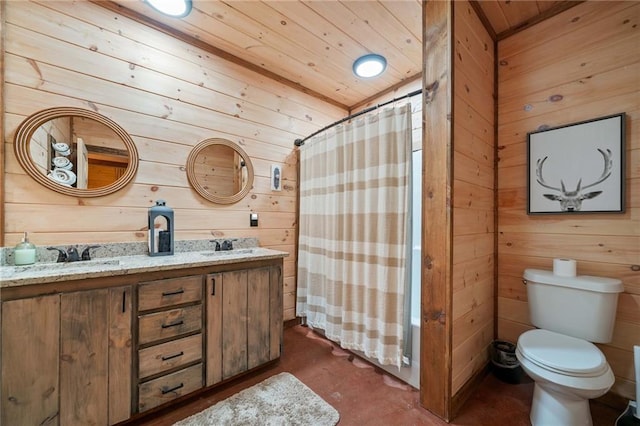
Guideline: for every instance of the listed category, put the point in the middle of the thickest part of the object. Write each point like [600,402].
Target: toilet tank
[582,306]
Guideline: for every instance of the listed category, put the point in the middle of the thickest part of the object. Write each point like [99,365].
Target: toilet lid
[562,354]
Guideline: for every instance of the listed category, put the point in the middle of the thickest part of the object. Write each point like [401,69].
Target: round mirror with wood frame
[220,171]
[38,150]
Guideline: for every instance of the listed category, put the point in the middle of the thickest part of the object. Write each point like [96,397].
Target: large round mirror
[76,152]
[220,171]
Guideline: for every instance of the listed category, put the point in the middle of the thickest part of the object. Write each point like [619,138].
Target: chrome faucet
[226,245]
[71,254]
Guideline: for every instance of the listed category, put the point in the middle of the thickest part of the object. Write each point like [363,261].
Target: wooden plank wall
[168,96]
[435,319]
[2,102]
[473,195]
[472,286]
[581,64]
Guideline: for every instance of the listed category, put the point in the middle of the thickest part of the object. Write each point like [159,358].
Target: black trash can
[504,363]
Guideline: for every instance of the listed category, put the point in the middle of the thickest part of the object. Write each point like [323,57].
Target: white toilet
[568,370]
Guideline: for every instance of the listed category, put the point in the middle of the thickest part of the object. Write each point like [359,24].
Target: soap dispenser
[160,236]
[25,252]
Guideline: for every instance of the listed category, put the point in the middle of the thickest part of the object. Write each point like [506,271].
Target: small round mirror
[76,152]
[220,171]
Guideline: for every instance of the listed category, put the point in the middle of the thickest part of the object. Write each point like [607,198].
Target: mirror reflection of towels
[62,163]
[62,176]
[61,148]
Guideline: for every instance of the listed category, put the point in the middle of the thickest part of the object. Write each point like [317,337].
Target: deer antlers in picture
[571,201]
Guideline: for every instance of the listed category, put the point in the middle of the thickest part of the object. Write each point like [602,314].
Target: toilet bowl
[567,372]
[570,312]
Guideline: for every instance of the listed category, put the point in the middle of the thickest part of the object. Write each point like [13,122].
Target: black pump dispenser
[160,237]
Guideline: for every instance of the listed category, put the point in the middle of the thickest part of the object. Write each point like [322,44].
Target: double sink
[86,264]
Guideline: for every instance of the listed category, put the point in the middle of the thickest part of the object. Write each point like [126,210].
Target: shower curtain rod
[300,142]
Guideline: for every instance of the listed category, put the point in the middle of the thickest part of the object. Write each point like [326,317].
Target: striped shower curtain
[354,225]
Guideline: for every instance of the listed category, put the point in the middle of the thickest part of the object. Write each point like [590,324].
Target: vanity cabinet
[30,354]
[102,350]
[169,339]
[244,321]
[66,358]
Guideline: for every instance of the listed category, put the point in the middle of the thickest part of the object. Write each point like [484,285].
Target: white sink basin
[65,266]
[228,252]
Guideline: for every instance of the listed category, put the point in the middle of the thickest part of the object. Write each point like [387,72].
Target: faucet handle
[62,256]
[72,254]
[85,253]
[227,245]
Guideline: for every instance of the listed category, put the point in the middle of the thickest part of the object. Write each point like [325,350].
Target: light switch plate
[253,219]
[276,177]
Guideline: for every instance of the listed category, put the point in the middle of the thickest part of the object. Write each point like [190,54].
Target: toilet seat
[562,354]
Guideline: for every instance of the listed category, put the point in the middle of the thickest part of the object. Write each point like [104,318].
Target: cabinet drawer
[169,387]
[167,324]
[169,292]
[159,358]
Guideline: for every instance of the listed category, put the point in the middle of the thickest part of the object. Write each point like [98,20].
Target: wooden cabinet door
[30,347]
[95,356]
[84,358]
[244,321]
[213,300]
[234,323]
[120,310]
[258,321]
[276,312]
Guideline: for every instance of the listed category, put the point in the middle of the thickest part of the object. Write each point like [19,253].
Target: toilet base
[550,408]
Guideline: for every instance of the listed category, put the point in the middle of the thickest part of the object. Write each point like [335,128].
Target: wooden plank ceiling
[312,44]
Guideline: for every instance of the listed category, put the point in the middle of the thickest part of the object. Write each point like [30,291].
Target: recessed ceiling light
[370,65]
[174,8]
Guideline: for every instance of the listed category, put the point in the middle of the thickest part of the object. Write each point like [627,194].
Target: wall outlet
[276,177]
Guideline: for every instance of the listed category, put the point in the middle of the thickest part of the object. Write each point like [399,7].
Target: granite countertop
[131,263]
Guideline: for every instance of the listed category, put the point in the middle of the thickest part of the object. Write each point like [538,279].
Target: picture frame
[577,168]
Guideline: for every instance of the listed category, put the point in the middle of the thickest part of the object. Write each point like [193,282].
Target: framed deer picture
[577,168]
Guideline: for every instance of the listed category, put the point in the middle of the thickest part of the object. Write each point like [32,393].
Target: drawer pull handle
[172,293]
[166,391]
[173,324]
[168,357]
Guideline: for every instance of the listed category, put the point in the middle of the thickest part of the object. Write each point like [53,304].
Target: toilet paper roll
[564,267]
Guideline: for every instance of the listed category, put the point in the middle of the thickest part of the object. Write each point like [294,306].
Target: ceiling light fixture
[371,65]
[173,8]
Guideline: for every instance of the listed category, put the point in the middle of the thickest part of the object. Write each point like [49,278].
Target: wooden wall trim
[457,402]
[436,320]
[145,20]
[552,11]
[483,18]
[3,157]
[496,194]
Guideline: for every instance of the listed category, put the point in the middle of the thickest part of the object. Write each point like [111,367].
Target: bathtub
[408,374]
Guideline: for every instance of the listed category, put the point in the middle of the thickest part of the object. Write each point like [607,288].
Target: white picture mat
[572,153]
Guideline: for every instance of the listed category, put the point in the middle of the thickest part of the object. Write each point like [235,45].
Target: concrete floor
[364,395]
